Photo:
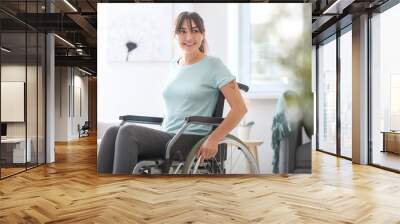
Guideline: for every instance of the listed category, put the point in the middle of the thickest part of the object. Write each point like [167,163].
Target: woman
[192,90]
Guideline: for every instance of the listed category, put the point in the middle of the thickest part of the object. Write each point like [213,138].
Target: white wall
[215,17]
[130,86]
[126,80]
[261,111]
[66,121]
[61,103]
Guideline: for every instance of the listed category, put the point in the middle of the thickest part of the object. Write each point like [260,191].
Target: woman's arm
[232,94]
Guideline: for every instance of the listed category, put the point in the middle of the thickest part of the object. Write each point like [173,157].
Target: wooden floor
[10,171]
[387,159]
[70,191]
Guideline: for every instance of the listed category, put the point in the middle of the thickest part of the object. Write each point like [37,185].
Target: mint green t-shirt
[192,90]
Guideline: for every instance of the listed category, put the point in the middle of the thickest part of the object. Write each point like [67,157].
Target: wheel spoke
[218,165]
[230,166]
[234,165]
[197,164]
[230,162]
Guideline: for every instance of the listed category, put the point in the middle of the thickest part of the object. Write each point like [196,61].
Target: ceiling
[332,15]
[76,22]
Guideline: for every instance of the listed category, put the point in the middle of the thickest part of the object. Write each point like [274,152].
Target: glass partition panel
[327,96]
[32,95]
[15,151]
[346,94]
[22,87]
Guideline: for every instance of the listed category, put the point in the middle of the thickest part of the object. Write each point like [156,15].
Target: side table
[252,145]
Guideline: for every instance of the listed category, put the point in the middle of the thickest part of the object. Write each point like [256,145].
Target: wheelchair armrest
[188,121]
[141,119]
[204,120]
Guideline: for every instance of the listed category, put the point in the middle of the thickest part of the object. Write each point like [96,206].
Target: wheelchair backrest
[86,125]
[219,106]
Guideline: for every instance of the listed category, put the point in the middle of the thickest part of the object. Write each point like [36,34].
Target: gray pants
[123,146]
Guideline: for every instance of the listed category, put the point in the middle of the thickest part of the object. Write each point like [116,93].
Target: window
[331,136]
[394,101]
[385,88]
[346,94]
[274,47]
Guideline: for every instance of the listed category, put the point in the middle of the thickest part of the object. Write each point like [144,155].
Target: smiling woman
[190,33]
[195,83]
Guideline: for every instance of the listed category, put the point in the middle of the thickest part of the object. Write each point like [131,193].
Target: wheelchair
[83,130]
[233,156]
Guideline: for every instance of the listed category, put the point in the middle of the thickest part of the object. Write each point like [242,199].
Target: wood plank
[70,191]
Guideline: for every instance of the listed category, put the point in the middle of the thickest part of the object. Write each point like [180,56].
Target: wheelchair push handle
[243,87]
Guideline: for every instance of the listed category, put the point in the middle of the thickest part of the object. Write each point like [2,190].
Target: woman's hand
[208,149]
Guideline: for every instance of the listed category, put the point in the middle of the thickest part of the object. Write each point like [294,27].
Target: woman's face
[189,40]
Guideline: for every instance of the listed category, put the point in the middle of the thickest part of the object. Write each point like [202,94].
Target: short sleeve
[222,74]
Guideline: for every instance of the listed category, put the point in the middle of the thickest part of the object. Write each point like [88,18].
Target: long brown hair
[192,17]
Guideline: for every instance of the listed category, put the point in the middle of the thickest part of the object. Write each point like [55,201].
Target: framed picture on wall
[12,101]
[134,36]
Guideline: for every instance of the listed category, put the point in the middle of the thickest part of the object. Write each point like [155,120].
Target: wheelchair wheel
[233,157]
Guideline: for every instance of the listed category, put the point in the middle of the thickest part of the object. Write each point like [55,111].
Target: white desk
[18,150]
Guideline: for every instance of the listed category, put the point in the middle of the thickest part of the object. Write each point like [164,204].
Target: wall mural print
[166,73]
[133,35]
